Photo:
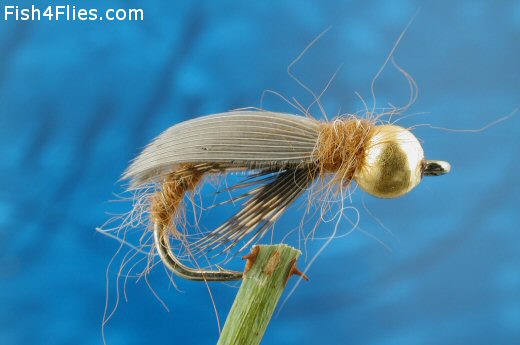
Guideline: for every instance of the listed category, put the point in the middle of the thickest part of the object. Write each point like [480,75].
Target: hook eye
[436,168]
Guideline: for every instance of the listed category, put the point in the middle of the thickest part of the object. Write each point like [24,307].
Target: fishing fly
[285,155]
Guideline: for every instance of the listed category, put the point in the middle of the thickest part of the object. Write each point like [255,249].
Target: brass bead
[392,163]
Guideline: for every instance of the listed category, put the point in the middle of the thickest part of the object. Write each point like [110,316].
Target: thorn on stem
[251,258]
[295,271]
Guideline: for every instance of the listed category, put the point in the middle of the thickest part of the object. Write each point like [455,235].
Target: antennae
[489,125]
[414,90]
[298,58]
[389,56]
[318,99]
[279,95]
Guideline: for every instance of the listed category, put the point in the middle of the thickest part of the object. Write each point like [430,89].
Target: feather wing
[237,139]
[264,205]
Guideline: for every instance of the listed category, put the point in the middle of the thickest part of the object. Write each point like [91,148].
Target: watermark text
[70,13]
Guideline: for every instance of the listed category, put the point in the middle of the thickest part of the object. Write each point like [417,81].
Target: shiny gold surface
[392,163]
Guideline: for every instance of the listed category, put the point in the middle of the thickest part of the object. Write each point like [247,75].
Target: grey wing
[264,206]
[238,139]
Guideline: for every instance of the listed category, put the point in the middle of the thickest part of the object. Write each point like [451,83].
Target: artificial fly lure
[286,154]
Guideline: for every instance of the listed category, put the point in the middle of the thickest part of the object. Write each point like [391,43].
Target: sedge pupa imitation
[284,154]
[287,154]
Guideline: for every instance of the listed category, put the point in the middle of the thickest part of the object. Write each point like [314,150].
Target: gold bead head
[392,163]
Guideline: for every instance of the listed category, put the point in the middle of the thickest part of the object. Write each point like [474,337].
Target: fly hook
[171,261]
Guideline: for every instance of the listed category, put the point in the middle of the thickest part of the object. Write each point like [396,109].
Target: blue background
[79,99]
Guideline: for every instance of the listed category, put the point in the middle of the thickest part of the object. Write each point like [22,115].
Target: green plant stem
[266,275]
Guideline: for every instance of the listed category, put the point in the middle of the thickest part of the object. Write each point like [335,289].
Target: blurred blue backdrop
[78,100]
